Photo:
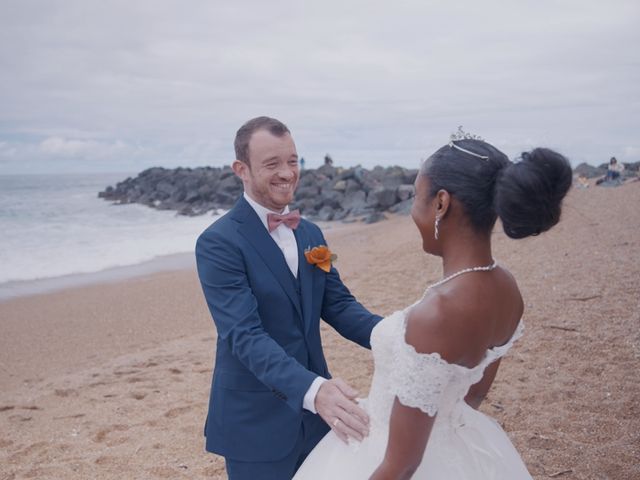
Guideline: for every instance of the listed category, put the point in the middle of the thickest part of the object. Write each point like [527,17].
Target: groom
[272,398]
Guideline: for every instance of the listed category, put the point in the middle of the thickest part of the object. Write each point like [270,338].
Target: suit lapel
[252,229]
[305,271]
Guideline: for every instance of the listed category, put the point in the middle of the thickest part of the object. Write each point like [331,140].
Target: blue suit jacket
[268,347]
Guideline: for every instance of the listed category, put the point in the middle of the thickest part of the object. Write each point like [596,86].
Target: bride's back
[466,316]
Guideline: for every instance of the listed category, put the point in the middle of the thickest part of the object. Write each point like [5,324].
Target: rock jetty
[325,193]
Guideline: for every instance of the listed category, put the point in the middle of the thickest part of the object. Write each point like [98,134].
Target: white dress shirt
[282,235]
[286,241]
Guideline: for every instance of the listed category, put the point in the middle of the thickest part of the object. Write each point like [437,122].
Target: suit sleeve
[344,313]
[234,308]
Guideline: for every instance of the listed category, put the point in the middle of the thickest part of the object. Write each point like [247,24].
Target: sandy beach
[111,381]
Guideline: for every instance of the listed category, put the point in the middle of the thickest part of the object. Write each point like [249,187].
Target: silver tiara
[462,135]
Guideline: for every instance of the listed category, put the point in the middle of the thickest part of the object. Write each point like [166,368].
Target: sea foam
[54,225]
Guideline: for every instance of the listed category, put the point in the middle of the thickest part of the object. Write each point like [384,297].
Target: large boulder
[340,186]
[327,170]
[589,171]
[331,198]
[356,203]
[406,192]
[383,197]
[325,214]
[230,184]
[410,176]
[402,208]
[310,191]
[393,177]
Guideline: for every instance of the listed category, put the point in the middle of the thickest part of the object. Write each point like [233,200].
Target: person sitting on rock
[614,170]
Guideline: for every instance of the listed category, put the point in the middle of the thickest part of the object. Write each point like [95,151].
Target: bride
[436,360]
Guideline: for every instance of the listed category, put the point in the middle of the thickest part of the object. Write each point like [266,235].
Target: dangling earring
[437,233]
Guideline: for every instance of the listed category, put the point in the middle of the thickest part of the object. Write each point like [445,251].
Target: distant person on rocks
[614,170]
[302,162]
[328,160]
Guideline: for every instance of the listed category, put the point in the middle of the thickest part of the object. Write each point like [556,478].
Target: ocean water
[55,225]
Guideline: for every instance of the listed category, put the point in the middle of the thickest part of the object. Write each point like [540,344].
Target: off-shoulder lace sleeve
[419,379]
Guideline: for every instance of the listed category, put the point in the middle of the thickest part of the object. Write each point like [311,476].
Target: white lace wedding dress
[464,443]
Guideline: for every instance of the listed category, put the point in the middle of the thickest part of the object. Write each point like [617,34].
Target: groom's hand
[335,403]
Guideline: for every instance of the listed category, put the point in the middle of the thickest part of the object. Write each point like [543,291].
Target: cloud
[363,80]
[631,154]
[58,146]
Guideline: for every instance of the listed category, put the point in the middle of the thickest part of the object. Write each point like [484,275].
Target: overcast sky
[124,85]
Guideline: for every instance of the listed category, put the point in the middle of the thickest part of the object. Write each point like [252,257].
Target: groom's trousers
[312,430]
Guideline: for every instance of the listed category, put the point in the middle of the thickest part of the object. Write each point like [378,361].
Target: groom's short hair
[243,136]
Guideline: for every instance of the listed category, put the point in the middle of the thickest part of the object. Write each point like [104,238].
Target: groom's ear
[240,168]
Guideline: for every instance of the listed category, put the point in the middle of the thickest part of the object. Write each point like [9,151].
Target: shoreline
[163,263]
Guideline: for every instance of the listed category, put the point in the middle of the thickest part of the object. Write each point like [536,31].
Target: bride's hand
[335,403]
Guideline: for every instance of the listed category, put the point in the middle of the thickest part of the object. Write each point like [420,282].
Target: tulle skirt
[467,445]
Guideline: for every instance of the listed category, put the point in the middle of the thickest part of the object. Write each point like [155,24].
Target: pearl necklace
[461,272]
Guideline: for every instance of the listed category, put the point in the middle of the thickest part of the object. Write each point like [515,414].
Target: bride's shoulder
[443,325]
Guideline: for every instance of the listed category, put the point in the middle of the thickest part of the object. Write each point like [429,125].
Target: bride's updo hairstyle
[526,195]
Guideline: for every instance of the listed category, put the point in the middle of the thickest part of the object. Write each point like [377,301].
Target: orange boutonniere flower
[321,257]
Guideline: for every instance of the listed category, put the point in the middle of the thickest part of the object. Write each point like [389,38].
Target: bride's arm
[438,333]
[478,392]
[409,432]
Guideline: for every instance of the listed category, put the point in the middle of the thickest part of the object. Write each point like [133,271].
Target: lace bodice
[425,381]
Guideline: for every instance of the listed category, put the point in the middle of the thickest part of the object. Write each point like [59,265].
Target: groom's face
[271,176]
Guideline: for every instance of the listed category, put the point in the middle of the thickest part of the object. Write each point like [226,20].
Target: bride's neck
[466,251]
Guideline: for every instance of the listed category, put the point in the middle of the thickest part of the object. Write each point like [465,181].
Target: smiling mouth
[283,187]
